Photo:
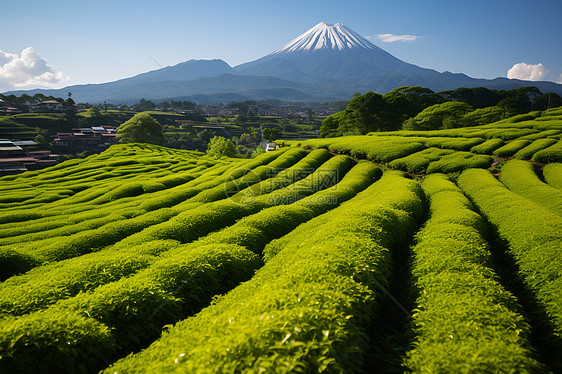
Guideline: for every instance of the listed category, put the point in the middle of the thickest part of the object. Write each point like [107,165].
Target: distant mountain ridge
[327,62]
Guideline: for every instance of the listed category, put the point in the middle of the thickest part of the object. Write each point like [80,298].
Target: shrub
[553,175]
[465,321]
[533,234]
[511,148]
[550,154]
[520,178]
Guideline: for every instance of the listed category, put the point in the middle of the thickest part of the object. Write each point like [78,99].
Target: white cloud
[389,38]
[528,72]
[27,69]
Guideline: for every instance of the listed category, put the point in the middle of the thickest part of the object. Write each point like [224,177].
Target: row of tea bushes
[178,284]
[550,154]
[308,309]
[553,175]
[24,256]
[464,321]
[519,176]
[533,233]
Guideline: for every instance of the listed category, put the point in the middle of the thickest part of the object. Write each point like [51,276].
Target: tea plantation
[407,251]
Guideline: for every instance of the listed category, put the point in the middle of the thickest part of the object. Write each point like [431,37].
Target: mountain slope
[327,62]
[185,71]
[333,56]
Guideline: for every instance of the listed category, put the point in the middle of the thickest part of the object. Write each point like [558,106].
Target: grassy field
[435,251]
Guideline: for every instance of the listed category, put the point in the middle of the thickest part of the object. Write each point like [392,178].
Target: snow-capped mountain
[327,62]
[326,35]
[327,51]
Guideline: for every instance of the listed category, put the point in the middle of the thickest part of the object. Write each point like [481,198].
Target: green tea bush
[68,342]
[519,176]
[488,146]
[419,161]
[465,321]
[553,175]
[550,154]
[532,232]
[308,309]
[135,308]
[542,134]
[459,144]
[457,161]
[537,145]
[511,148]
[45,285]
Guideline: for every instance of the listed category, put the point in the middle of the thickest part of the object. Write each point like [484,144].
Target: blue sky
[75,42]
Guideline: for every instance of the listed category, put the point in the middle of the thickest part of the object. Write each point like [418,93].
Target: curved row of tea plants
[532,232]
[178,284]
[310,306]
[465,321]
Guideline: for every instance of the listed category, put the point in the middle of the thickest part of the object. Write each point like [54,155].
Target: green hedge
[553,175]
[533,232]
[488,146]
[537,145]
[419,161]
[465,321]
[511,148]
[519,176]
[308,309]
[550,154]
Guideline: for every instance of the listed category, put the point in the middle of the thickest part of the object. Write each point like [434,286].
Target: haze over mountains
[327,62]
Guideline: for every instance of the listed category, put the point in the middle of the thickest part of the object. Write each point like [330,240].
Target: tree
[438,116]
[219,146]
[271,133]
[94,112]
[141,128]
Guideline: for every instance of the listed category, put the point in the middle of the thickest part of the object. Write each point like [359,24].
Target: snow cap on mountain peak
[326,36]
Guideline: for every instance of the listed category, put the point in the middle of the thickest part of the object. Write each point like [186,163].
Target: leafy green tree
[410,100]
[547,100]
[146,105]
[439,116]
[483,116]
[220,146]
[141,128]
[94,112]
[271,133]
[331,125]
[259,150]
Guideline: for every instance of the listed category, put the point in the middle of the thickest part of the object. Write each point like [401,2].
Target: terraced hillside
[144,259]
[534,136]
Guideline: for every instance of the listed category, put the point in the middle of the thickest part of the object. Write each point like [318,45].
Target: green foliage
[483,116]
[438,116]
[488,146]
[366,113]
[271,133]
[547,100]
[219,147]
[550,154]
[419,161]
[310,306]
[331,125]
[511,148]
[410,100]
[537,145]
[553,175]
[142,128]
[533,233]
[69,342]
[465,321]
[519,176]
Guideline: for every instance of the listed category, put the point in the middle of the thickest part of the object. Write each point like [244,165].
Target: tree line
[419,108]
